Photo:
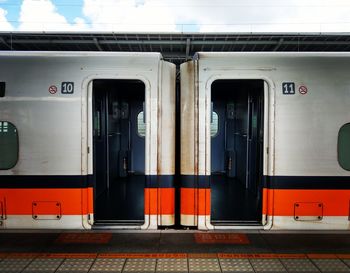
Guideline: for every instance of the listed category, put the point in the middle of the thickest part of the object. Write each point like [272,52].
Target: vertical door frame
[204,90]
[87,167]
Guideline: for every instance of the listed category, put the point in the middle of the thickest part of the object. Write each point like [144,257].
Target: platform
[172,251]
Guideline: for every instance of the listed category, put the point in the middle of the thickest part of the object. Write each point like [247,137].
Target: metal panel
[295,114]
[62,112]
[308,211]
[166,134]
[46,210]
[188,118]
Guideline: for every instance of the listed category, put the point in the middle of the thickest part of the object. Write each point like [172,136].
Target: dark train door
[237,151]
[119,151]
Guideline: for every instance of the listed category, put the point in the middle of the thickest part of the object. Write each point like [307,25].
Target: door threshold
[109,224]
[237,225]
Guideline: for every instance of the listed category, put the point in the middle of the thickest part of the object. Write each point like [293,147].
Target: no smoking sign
[53,89]
[303,89]
[289,88]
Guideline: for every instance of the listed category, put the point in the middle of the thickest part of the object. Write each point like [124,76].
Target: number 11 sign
[288,88]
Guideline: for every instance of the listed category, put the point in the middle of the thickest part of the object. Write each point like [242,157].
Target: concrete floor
[170,251]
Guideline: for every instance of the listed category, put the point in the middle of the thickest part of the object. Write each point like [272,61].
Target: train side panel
[303,184]
[52,184]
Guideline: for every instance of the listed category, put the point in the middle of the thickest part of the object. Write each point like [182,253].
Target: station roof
[175,47]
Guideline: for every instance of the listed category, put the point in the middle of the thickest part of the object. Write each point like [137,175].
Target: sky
[175,15]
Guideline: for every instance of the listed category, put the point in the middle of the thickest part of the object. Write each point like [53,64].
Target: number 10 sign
[67,88]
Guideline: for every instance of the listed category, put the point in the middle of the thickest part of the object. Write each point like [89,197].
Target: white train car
[265,141]
[86,139]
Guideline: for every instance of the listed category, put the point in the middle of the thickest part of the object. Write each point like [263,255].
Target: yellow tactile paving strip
[174,262]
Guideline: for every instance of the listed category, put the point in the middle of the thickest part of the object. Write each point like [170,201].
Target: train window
[8,145]
[214,125]
[2,89]
[97,124]
[344,146]
[141,125]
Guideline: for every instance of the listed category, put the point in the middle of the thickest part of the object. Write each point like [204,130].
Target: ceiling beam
[2,40]
[280,42]
[176,42]
[97,44]
[188,47]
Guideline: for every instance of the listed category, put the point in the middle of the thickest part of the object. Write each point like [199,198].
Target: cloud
[4,23]
[187,15]
[42,15]
[272,16]
[218,16]
[129,15]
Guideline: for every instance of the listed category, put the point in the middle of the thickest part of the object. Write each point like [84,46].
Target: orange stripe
[195,201]
[335,202]
[143,255]
[72,201]
[261,256]
[173,255]
[22,255]
[159,201]
[343,256]
[87,200]
[166,201]
[202,255]
[68,255]
[322,256]
[267,202]
[3,255]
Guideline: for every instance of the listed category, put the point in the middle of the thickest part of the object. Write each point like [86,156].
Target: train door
[119,151]
[236,151]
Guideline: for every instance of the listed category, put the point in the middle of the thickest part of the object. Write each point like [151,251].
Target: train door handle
[125,164]
[229,164]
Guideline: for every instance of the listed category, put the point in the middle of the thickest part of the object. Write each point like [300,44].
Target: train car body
[265,141]
[86,139]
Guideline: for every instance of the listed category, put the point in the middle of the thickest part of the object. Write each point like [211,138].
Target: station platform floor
[174,251]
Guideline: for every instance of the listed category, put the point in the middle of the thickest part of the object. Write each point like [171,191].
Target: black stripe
[46,181]
[307,182]
[160,181]
[72,181]
[195,181]
[279,182]
[167,181]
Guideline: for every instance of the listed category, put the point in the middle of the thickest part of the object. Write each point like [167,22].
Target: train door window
[2,89]
[141,125]
[344,147]
[8,145]
[214,125]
